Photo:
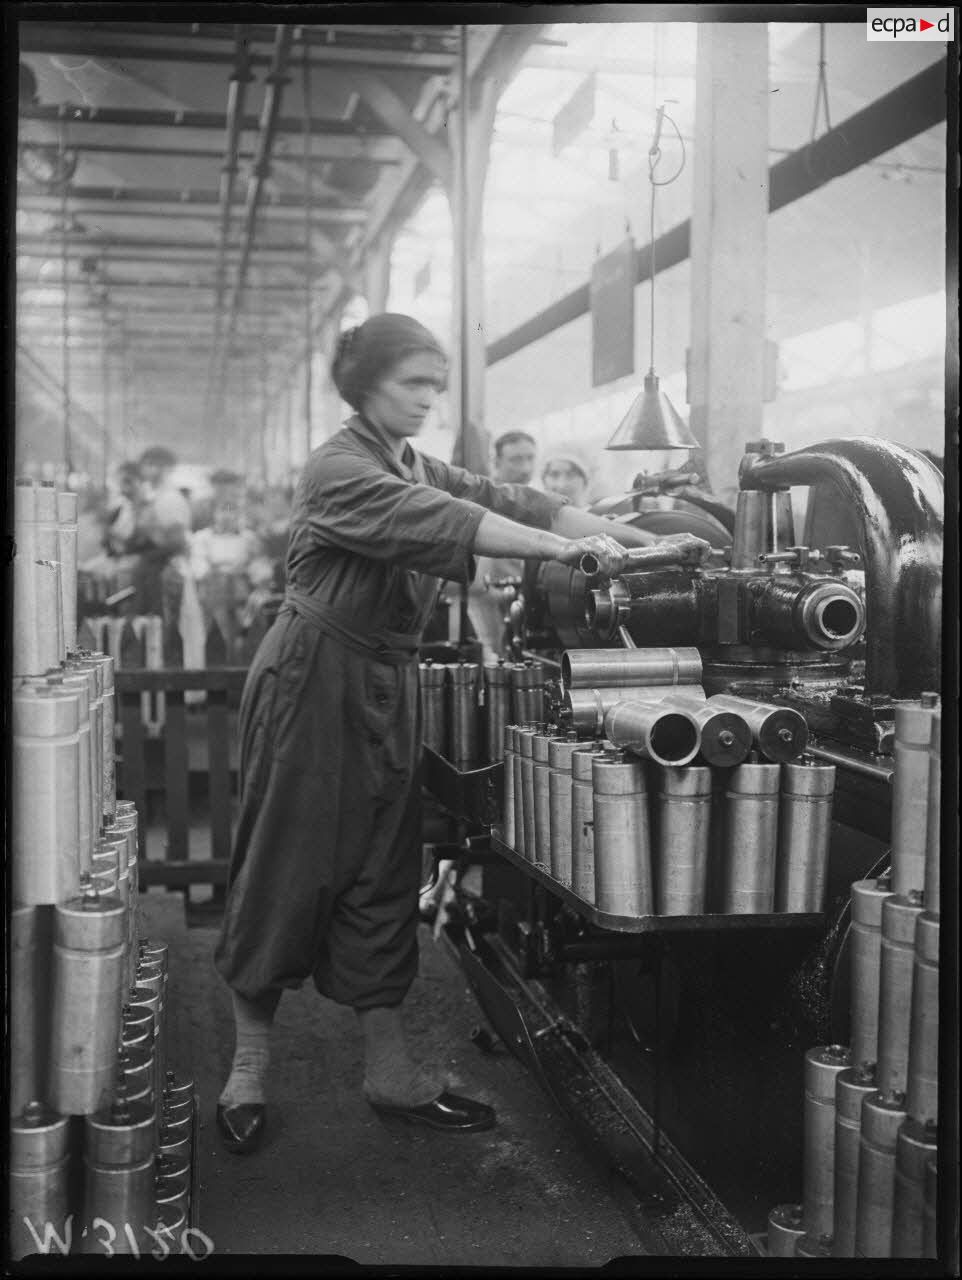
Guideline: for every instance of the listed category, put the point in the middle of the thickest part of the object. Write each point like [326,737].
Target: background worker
[515,453]
[325,869]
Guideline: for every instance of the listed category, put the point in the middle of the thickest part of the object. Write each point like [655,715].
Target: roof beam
[157,198]
[208,144]
[384,102]
[147,45]
[165,118]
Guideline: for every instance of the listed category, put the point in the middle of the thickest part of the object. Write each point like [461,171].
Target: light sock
[253,1020]
[391,1077]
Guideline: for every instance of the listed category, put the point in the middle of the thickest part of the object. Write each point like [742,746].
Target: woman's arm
[498,536]
[573,522]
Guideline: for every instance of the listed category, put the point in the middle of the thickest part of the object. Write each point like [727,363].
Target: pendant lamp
[653,422]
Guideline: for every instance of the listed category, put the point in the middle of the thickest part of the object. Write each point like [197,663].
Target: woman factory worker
[326,864]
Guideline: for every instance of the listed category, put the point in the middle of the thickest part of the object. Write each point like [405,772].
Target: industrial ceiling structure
[198,201]
[195,199]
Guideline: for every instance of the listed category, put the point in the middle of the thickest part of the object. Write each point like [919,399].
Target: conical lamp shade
[652,422]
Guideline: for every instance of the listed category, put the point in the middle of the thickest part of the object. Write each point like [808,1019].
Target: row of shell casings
[870,1171]
[64,780]
[871,1144]
[634,838]
[675,725]
[136,1179]
[44,576]
[71,966]
[464,708]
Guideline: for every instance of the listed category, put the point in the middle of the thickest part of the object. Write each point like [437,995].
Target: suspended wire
[308,336]
[654,156]
[821,88]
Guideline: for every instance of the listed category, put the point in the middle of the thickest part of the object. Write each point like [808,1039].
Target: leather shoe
[242,1128]
[449,1111]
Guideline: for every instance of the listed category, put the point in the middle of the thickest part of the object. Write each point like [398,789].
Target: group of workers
[325,869]
[192,563]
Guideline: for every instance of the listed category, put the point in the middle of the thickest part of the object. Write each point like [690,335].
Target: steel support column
[728,243]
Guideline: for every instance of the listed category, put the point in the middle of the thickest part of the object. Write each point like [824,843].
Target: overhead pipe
[909,109]
[237,90]
[270,115]
[896,495]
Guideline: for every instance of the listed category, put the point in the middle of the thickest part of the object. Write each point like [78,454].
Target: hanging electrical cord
[308,336]
[821,88]
[654,156]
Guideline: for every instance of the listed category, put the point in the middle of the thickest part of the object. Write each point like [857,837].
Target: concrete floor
[334,1178]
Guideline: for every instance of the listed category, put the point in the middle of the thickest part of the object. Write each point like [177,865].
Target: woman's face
[406,395]
[561,476]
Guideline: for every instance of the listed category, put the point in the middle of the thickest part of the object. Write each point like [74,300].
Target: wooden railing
[155,761]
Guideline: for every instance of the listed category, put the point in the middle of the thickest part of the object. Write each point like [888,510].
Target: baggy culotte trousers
[325,868]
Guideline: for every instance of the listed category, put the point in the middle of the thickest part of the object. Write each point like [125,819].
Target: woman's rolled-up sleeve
[359,507]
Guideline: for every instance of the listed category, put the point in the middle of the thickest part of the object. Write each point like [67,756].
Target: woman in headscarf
[326,864]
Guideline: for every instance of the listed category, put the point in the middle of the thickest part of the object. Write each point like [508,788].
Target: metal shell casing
[540,744]
[119,1156]
[517,736]
[507,808]
[497,708]
[659,731]
[526,752]
[46,792]
[622,837]
[896,975]
[88,972]
[109,787]
[83,686]
[560,751]
[583,821]
[779,733]
[527,692]
[31,943]
[866,943]
[804,835]
[823,1065]
[914,724]
[922,1087]
[882,1117]
[95,676]
[462,714]
[67,556]
[38,642]
[750,840]
[852,1087]
[933,840]
[915,1146]
[39,1181]
[681,840]
[431,681]
[930,1235]
[784,1230]
[584,709]
[611,668]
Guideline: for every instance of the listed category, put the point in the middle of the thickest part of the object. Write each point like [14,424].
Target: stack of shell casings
[884,1176]
[462,719]
[176,1152]
[77,1050]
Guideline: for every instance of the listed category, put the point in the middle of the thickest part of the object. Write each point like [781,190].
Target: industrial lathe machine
[705,796]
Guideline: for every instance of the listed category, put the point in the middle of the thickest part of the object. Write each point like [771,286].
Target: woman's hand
[603,556]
